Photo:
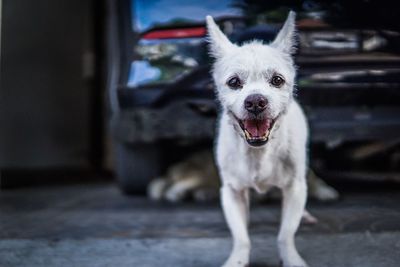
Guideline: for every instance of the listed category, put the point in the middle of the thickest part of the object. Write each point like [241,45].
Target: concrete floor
[94,225]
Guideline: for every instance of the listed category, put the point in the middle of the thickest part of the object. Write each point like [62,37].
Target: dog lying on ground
[197,178]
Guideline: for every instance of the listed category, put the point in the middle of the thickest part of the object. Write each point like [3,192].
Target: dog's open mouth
[257,131]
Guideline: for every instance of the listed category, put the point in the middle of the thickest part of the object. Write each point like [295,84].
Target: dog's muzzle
[257,126]
[256,129]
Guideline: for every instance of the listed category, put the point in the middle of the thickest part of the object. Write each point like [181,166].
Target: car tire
[136,166]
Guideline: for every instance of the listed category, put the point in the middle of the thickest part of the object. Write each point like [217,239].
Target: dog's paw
[238,259]
[326,193]
[320,190]
[294,263]
[156,188]
[235,263]
[173,195]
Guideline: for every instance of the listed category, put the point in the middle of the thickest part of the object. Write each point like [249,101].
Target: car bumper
[150,116]
[343,124]
[181,120]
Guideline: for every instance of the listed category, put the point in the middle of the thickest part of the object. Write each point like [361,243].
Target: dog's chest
[263,171]
[254,170]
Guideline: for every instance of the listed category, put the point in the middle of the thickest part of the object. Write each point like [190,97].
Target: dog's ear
[285,40]
[219,43]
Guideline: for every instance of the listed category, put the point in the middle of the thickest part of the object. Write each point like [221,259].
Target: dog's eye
[277,81]
[234,83]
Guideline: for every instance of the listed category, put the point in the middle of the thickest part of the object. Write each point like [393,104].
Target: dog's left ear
[285,40]
[219,43]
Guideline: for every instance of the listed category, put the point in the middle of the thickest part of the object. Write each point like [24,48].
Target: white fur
[281,161]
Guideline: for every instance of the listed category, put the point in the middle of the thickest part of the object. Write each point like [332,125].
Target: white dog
[262,135]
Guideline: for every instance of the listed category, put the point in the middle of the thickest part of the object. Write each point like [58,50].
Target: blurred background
[125,86]
[118,93]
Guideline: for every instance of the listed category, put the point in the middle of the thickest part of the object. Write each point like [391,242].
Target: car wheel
[136,165]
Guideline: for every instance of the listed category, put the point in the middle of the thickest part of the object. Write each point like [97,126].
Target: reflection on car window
[149,14]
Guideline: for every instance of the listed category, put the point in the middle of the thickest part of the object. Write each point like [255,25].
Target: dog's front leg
[235,204]
[294,199]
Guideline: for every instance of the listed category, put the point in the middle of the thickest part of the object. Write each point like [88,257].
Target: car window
[150,14]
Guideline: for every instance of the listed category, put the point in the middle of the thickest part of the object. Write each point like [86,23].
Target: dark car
[161,92]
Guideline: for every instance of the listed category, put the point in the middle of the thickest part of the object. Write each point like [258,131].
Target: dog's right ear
[219,43]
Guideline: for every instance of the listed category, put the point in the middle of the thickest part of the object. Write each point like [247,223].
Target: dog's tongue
[257,128]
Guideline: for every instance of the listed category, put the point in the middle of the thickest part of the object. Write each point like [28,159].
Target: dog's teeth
[247,134]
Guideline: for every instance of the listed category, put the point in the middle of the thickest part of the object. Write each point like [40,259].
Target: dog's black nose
[256,103]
